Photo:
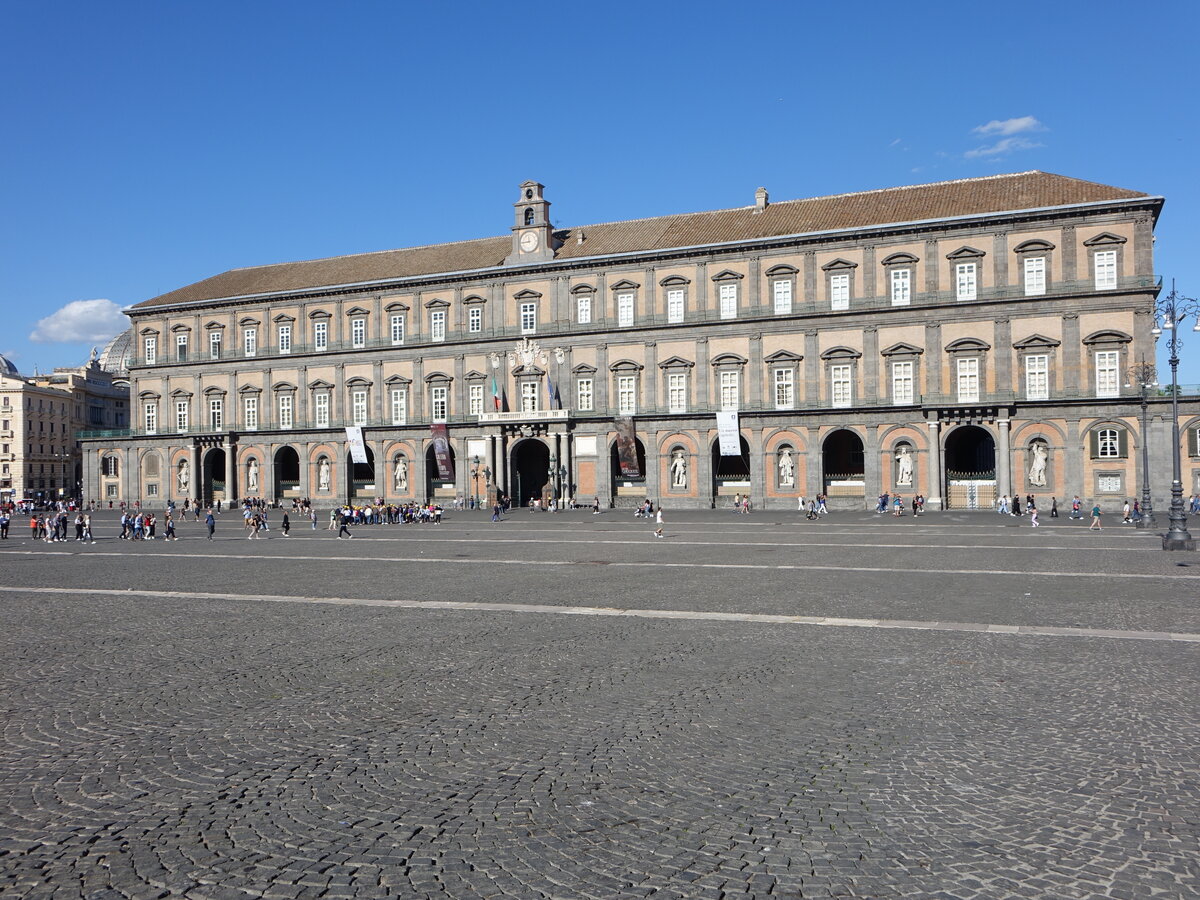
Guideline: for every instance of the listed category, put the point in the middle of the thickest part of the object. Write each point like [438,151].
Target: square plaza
[561,706]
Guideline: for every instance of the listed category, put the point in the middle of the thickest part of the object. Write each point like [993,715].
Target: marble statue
[323,475]
[184,477]
[787,468]
[1037,467]
[401,475]
[679,470]
[904,466]
[252,476]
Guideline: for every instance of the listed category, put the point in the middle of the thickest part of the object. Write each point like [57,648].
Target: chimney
[760,200]
[579,240]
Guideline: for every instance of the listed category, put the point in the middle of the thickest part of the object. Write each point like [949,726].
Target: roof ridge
[315,259]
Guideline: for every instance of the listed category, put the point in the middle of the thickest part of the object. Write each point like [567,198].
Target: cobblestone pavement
[191,746]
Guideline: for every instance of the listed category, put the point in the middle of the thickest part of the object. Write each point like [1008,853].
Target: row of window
[966,282]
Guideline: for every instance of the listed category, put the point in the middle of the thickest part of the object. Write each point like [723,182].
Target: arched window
[110,466]
[529,216]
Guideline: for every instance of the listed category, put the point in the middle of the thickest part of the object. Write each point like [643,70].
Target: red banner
[441,452]
[627,447]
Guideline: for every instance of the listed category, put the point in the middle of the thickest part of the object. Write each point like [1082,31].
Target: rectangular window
[625,310]
[841,386]
[320,336]
[529,396]
[286,417]
[475,320]
[151,418]
[902,382]
[728,301]
[399,406]
[1109,444]
[1037,377]
[216,413]
[584,398]
[1107,383]
[358,333]
[901,287]
[785,388]
[181,342]
[730,383]
[528,318]
[250,413]
[321,409]
[437,325]
[151,346]
[250,341]
[627,394]
[782,291]
[214,344]
[358,407]
[476,400]
[285,338]
[1104,262]
[1035,275]
[839,291]
[675,305]
[181,415]
[398,329]
[968,380]
[677,392]
[439,402]
[583,309]
[964,281]
[152,490]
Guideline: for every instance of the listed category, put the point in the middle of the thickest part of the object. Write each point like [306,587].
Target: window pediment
[626,365]
[965,253]
[583,289]
[474,375]
[181,394]
[180,328]
[902,349]
[728,275]
[397,379]
[149,331]
[968,345]
[215,326]
[625,285]
[583,369]
[320,314]
[319,385]
[782,270]
[674,281]
[783,356]
[438,378]
[1107,337]
[358,381]
[676,362]
[284,317]
[527,294]
[283,387]
[437,303]
[357,311]
[214,392]
[396,307]
[838,265]
[249,320]
[729,359]
[900,259]
[841,353]
[249,389]
[528,371]
[149,395]
[1033,246]
[473,300]
[1105,239]
[1036,342]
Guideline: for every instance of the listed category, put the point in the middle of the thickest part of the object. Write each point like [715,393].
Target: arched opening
[361,476]
[287,472]
[530,471]
[437,482]
[529,216]
[970,468]
[843,465]
[628,490]
[212,486]
[730,474]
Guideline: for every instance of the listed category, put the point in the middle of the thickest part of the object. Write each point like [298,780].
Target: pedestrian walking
[210,522]
[658,520]
[344,521]
[1095,526]
[285,526]
[1054,507]
[1033,517]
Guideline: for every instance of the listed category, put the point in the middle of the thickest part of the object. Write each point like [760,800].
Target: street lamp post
[1172,311]
[1143,375]
[553,477]
[475,482]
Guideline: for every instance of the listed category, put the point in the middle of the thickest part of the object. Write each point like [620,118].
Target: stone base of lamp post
[1170,543]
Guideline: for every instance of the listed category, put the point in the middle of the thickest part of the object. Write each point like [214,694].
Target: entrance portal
[843,469]
[361,478]
[627,490]
[970,468]
[730,474]
[529,470]
[287,472]
[435,485]
[212,485]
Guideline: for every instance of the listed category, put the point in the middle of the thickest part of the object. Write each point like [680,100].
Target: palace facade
[961,340]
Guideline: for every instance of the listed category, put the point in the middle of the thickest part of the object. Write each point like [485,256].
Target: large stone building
[961,340]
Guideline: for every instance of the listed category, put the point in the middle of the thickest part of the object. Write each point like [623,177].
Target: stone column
[703,473]
[231,485]
[1073,461]
[1004,458]
[873,468]
[266,483]
[653,467]
[934,500]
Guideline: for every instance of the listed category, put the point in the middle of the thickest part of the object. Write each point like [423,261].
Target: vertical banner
[627,447]
[727,433]
[358,450]
[441,452]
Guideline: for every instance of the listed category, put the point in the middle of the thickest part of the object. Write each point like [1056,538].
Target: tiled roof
[946,199]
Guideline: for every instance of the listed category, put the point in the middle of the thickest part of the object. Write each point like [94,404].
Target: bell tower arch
[533,234]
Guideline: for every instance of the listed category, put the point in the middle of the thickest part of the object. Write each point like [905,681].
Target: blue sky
[149,145]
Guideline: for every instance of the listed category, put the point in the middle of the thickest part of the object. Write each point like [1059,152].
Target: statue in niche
[787,468]
[323,474]
[679,469]
[252,477]
[904,466]
[400,476]
[1037,464]
[184,477]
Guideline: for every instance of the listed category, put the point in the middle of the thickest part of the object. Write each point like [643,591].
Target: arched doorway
[627,490]
[730,474]
[287,472]
[843,467]
[212,483]
[361,477]
[970,468]
[435,484]
[529,467]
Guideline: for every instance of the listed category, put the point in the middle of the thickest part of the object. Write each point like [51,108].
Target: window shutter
[1194,441]
[1123,443]
[1094,439]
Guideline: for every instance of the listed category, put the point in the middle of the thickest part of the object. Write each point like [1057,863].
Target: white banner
[727,433]
[358,450]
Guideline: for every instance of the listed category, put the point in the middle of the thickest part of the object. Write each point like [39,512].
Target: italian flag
[495,394]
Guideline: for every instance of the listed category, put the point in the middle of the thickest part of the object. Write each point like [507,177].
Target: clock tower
[533,235]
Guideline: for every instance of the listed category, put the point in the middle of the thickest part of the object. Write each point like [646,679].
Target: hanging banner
[627,447]
[358,450]
[727,433]
[441,452]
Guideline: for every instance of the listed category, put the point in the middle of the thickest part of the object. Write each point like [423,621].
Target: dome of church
[114,358]
[7,367]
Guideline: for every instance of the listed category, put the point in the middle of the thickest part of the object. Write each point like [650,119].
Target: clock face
[529,241]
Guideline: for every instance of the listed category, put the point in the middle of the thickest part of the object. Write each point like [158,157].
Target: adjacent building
[960,340]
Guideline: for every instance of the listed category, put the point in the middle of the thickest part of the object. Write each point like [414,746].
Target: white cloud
[79,321]
[1009,126]
[1003,147]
